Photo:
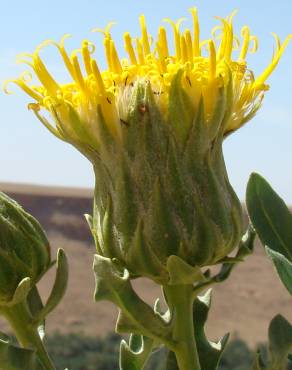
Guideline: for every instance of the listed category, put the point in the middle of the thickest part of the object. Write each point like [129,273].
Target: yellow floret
[207,66]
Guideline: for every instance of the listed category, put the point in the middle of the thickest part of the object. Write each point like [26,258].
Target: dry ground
[243,305]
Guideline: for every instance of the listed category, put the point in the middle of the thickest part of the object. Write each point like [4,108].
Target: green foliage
[273,222]
[209,352]
[283,267]
[113,283]
[269,215]
[280,341]
[16,358]
[134,355]
[81,352]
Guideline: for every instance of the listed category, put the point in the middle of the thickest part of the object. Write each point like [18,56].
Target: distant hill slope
[57,209]
[32,189]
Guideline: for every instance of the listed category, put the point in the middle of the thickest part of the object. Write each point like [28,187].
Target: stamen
[86,57]
[20,59]
[189,45]
[115,61]
[229,41]
[162,62]
[97,76]
[236,43]
[224,40]
[26,76]
[232,15]
[183,48]
[215,30]
[278,42]
[212,60]
[29,91]
[145,39]
[197,51]
[106,31]
[129,48]
[140,52]
[245,33]
[263,77]
[175,27]
[77,72]
[163,42]
[255,46]
[43,75]
[64,55]
[107,47]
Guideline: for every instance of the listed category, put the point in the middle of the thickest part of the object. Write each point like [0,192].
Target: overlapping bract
[157,196]
[24,248]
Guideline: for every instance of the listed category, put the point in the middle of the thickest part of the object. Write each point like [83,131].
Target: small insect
[124,122]
[189,81]
[143,108]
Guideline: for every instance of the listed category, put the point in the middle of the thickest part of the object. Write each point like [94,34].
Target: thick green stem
[180,301]
[19,318]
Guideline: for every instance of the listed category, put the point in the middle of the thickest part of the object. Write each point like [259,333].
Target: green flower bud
[24,248]
[164,191]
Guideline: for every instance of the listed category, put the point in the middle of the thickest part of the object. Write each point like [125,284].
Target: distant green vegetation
[79,352]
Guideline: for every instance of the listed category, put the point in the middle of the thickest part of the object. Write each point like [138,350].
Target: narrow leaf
[21,292]
[283,267]
[59,288]
[270,216]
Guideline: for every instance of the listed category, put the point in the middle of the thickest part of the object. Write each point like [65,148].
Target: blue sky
[30,154]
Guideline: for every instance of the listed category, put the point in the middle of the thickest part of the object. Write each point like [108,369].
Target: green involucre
[24,248]
[163,191]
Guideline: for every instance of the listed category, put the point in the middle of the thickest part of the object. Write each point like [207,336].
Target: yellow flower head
[153,124]
[203,68]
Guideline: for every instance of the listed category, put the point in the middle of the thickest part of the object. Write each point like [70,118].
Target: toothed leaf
[209,353]
[134,355]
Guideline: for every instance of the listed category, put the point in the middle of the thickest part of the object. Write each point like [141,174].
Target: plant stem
[180,301]
[27,334]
